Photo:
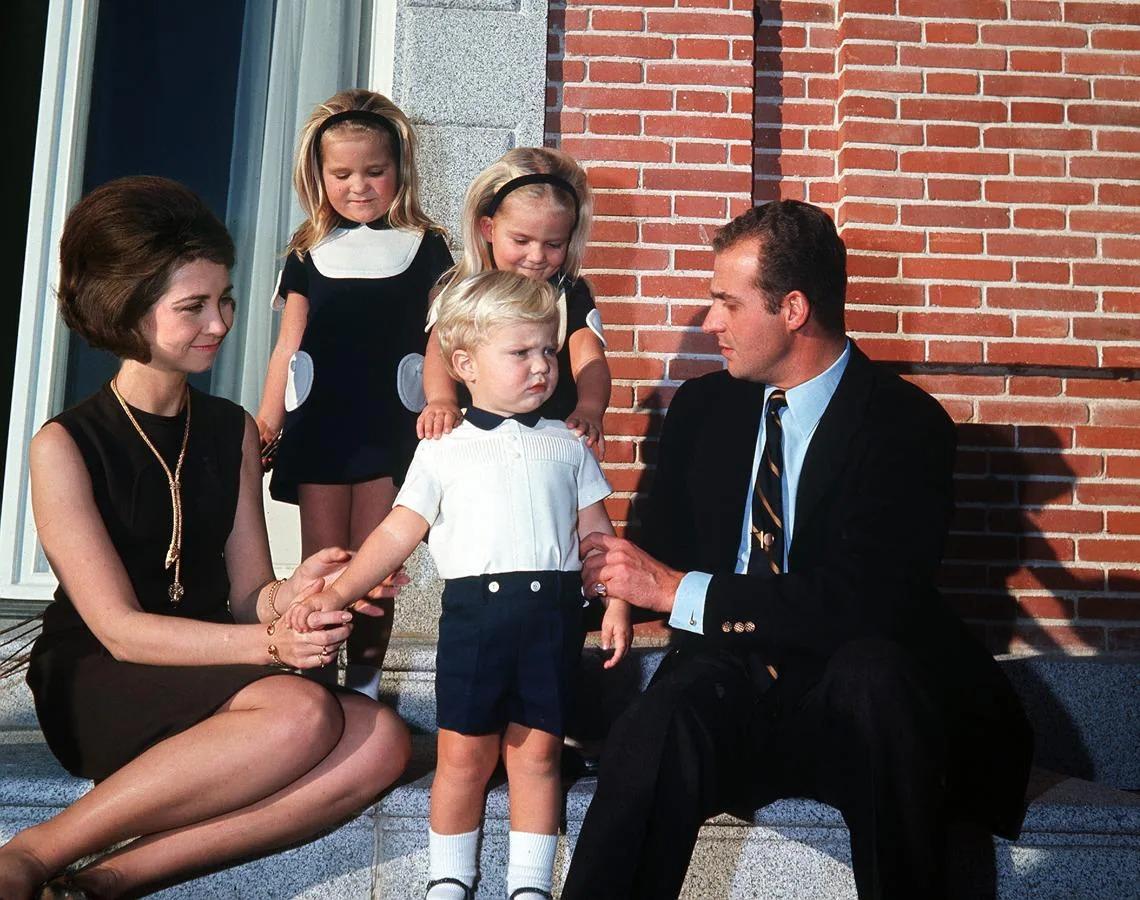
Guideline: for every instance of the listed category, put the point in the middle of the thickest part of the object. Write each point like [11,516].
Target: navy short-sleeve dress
[356,383]
[581,312]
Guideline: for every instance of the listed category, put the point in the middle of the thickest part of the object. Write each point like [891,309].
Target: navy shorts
[509,651]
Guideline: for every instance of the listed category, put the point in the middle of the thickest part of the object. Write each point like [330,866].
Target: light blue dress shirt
[806,405]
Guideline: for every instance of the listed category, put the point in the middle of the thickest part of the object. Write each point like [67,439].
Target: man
[792,536]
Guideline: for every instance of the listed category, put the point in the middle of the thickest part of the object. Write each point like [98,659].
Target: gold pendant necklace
[174,480]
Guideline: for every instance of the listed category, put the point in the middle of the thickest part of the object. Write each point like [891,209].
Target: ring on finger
[600,589]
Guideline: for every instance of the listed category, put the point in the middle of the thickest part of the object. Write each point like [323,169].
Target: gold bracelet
[273,654]
[273,589]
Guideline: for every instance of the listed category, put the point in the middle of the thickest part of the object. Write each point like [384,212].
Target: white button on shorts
[493,587]
[535,586]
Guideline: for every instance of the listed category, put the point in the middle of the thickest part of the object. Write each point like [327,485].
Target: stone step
[1065,697]
[1080,840]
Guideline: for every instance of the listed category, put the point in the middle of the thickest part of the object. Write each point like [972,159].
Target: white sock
[363,679]
[452,856]
[531,863]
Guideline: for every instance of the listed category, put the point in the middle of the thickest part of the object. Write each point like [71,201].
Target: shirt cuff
[689,603]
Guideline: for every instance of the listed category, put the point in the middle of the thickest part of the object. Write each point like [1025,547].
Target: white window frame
[40,368]
[42,343]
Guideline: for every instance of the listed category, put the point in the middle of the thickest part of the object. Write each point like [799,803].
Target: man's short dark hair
[800,250]
[120,246]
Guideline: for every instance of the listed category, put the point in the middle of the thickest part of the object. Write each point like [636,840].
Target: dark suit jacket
[873,507]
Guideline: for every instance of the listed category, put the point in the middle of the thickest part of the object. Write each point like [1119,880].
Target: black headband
[359,115]
[537,178]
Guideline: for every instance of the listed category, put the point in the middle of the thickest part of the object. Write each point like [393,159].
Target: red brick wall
[982,158]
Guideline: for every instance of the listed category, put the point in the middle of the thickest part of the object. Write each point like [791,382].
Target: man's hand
[628,572]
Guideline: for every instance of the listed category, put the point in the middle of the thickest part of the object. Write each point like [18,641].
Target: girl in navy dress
[344,383]
[530,213]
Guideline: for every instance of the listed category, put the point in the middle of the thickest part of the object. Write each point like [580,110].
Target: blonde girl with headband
[343,386]
[530,213]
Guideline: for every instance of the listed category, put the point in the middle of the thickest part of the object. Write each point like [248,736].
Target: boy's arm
[594,518]
[383,552]
[617,627]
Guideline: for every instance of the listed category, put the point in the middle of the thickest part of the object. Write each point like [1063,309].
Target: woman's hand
[325,566]
[316,647]
[437,419]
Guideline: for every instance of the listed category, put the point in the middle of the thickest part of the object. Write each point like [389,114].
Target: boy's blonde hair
[471,309]
[405,211]
[514,164]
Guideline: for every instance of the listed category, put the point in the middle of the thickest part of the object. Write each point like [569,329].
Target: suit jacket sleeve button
[750,627]
[726,627]
[738,627]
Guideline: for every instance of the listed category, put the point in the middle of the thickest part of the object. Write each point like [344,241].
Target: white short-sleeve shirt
[504,499]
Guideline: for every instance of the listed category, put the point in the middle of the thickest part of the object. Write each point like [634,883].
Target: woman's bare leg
[266,736]
[371,502]
[370,755]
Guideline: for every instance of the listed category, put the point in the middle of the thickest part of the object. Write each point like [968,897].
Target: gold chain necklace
[174,480]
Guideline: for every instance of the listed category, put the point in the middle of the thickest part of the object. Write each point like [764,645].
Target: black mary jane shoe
[63,887]
[530,892]
[468,893]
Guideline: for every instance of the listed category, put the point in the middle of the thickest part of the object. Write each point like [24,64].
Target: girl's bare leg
[533,761]
[326,511]
[265,737]
[371,503]
[372,752]
[463,767]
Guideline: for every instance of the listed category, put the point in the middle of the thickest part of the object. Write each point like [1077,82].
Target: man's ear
[797,310]
[464,365]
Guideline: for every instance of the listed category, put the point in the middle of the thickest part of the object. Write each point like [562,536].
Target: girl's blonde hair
[405,211]
[471,309]
[514,164]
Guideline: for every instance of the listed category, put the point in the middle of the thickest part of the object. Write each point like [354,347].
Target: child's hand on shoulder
[437,419]
[617,631]
[588,424]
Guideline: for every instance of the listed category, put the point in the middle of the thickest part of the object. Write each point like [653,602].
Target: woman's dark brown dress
[96,712]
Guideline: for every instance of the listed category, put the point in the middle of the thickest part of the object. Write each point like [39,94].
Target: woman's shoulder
[219,410]
[89,414]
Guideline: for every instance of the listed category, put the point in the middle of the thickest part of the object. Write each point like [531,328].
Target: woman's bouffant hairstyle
[470,310]
[800,250]
[120,246]
[514,164]
[405,211]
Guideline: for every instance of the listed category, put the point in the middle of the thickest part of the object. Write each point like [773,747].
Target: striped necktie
[767,553]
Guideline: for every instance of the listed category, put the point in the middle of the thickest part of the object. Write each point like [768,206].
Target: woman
[161,673]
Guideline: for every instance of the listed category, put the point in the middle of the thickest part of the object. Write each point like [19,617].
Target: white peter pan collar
[366,252]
